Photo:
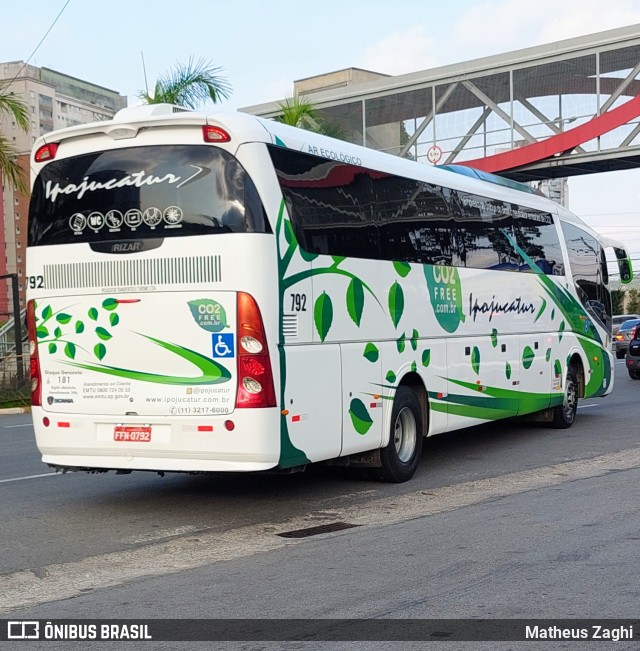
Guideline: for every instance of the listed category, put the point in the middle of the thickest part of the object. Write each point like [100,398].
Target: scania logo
[51,400]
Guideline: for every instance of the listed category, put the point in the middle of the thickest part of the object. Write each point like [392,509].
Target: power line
[24,65]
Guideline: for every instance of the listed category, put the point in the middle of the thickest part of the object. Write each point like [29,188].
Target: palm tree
[17,110]
[300,112]
[189,85]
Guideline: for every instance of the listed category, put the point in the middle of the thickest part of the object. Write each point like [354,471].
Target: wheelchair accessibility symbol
[223,345]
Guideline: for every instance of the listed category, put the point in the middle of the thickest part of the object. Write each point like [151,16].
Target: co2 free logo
[208,314]
[23,630]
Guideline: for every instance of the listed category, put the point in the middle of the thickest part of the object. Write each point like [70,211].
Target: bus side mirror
[624,266]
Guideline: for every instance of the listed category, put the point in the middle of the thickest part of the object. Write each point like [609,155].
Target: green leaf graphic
[110,303]
[93,314]
[475,359]
[541,310]
[210,371]
[360,416]
[105,335]
[70,350]
[52,348]
[402,268]
[355,300]
[47,312]
[507,370]
[414,340]
[371,352]
[100,351]
[57,333]
[553,314]
[323,315]
[414,367]
[390,377]
[208,314]
[557,368]
[527,357]
[337,259]
[79,327]
[63,318]
[547,356]
[494,337]
[401,343]
[42,332]
[561,330]
[114,319]
[288,232]
[396,303]
[426,357]
[306,256]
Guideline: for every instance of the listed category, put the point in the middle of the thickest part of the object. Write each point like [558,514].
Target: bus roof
[248,128]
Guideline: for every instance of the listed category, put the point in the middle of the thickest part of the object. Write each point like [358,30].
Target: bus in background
[224,293]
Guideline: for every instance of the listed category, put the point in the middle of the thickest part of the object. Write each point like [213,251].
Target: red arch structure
[561,143]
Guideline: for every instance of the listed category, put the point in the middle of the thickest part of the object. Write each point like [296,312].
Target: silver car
[623,336]
[618,319]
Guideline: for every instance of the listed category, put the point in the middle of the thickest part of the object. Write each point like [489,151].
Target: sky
[264,46]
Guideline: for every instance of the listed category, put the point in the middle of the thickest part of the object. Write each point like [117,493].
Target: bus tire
[401,456]
[565,414]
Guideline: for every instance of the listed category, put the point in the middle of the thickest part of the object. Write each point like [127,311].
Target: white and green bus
[224,293]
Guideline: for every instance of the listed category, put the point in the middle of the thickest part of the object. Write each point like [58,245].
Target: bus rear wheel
[401,456]
[565,414]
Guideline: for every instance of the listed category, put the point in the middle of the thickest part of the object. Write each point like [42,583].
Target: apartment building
[55,101]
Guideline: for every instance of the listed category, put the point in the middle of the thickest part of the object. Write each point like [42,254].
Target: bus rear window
[143,192]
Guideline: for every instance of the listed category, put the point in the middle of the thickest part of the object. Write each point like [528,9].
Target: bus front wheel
[565,414]
[401,456]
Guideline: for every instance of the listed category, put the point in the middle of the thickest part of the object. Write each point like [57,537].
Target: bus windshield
[143,192]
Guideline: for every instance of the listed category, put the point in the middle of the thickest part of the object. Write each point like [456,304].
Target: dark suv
[625,334]
[632,358]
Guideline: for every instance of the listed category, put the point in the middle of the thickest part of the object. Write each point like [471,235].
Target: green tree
[189,85]
[633,306]
[617,301]
[14,107]
[300,112]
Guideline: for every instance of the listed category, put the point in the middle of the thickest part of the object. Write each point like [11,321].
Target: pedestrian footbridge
[556,110]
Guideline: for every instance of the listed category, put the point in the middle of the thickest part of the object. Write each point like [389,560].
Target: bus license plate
[132,434]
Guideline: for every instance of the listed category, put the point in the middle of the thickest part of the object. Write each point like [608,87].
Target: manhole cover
[315,531]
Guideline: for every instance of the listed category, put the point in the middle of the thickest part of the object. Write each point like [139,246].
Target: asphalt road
[509,520]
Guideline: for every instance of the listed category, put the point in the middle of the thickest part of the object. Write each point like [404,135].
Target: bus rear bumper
[244,441]
[74,462]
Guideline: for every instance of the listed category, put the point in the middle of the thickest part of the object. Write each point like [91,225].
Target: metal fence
[15,383]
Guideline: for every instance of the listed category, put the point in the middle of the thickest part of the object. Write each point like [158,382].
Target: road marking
[593,404]
[46,474]
[22,425]
[66,580]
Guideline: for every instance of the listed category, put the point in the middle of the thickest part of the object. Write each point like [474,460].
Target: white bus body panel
[334,381]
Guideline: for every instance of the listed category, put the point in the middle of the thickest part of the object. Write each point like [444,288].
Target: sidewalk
[15,410]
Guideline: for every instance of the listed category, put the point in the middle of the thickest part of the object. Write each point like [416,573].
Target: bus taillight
[34,360]
[46,152]
[255,379]
[215,134]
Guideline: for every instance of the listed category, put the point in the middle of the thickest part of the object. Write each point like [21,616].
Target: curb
[15,410]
